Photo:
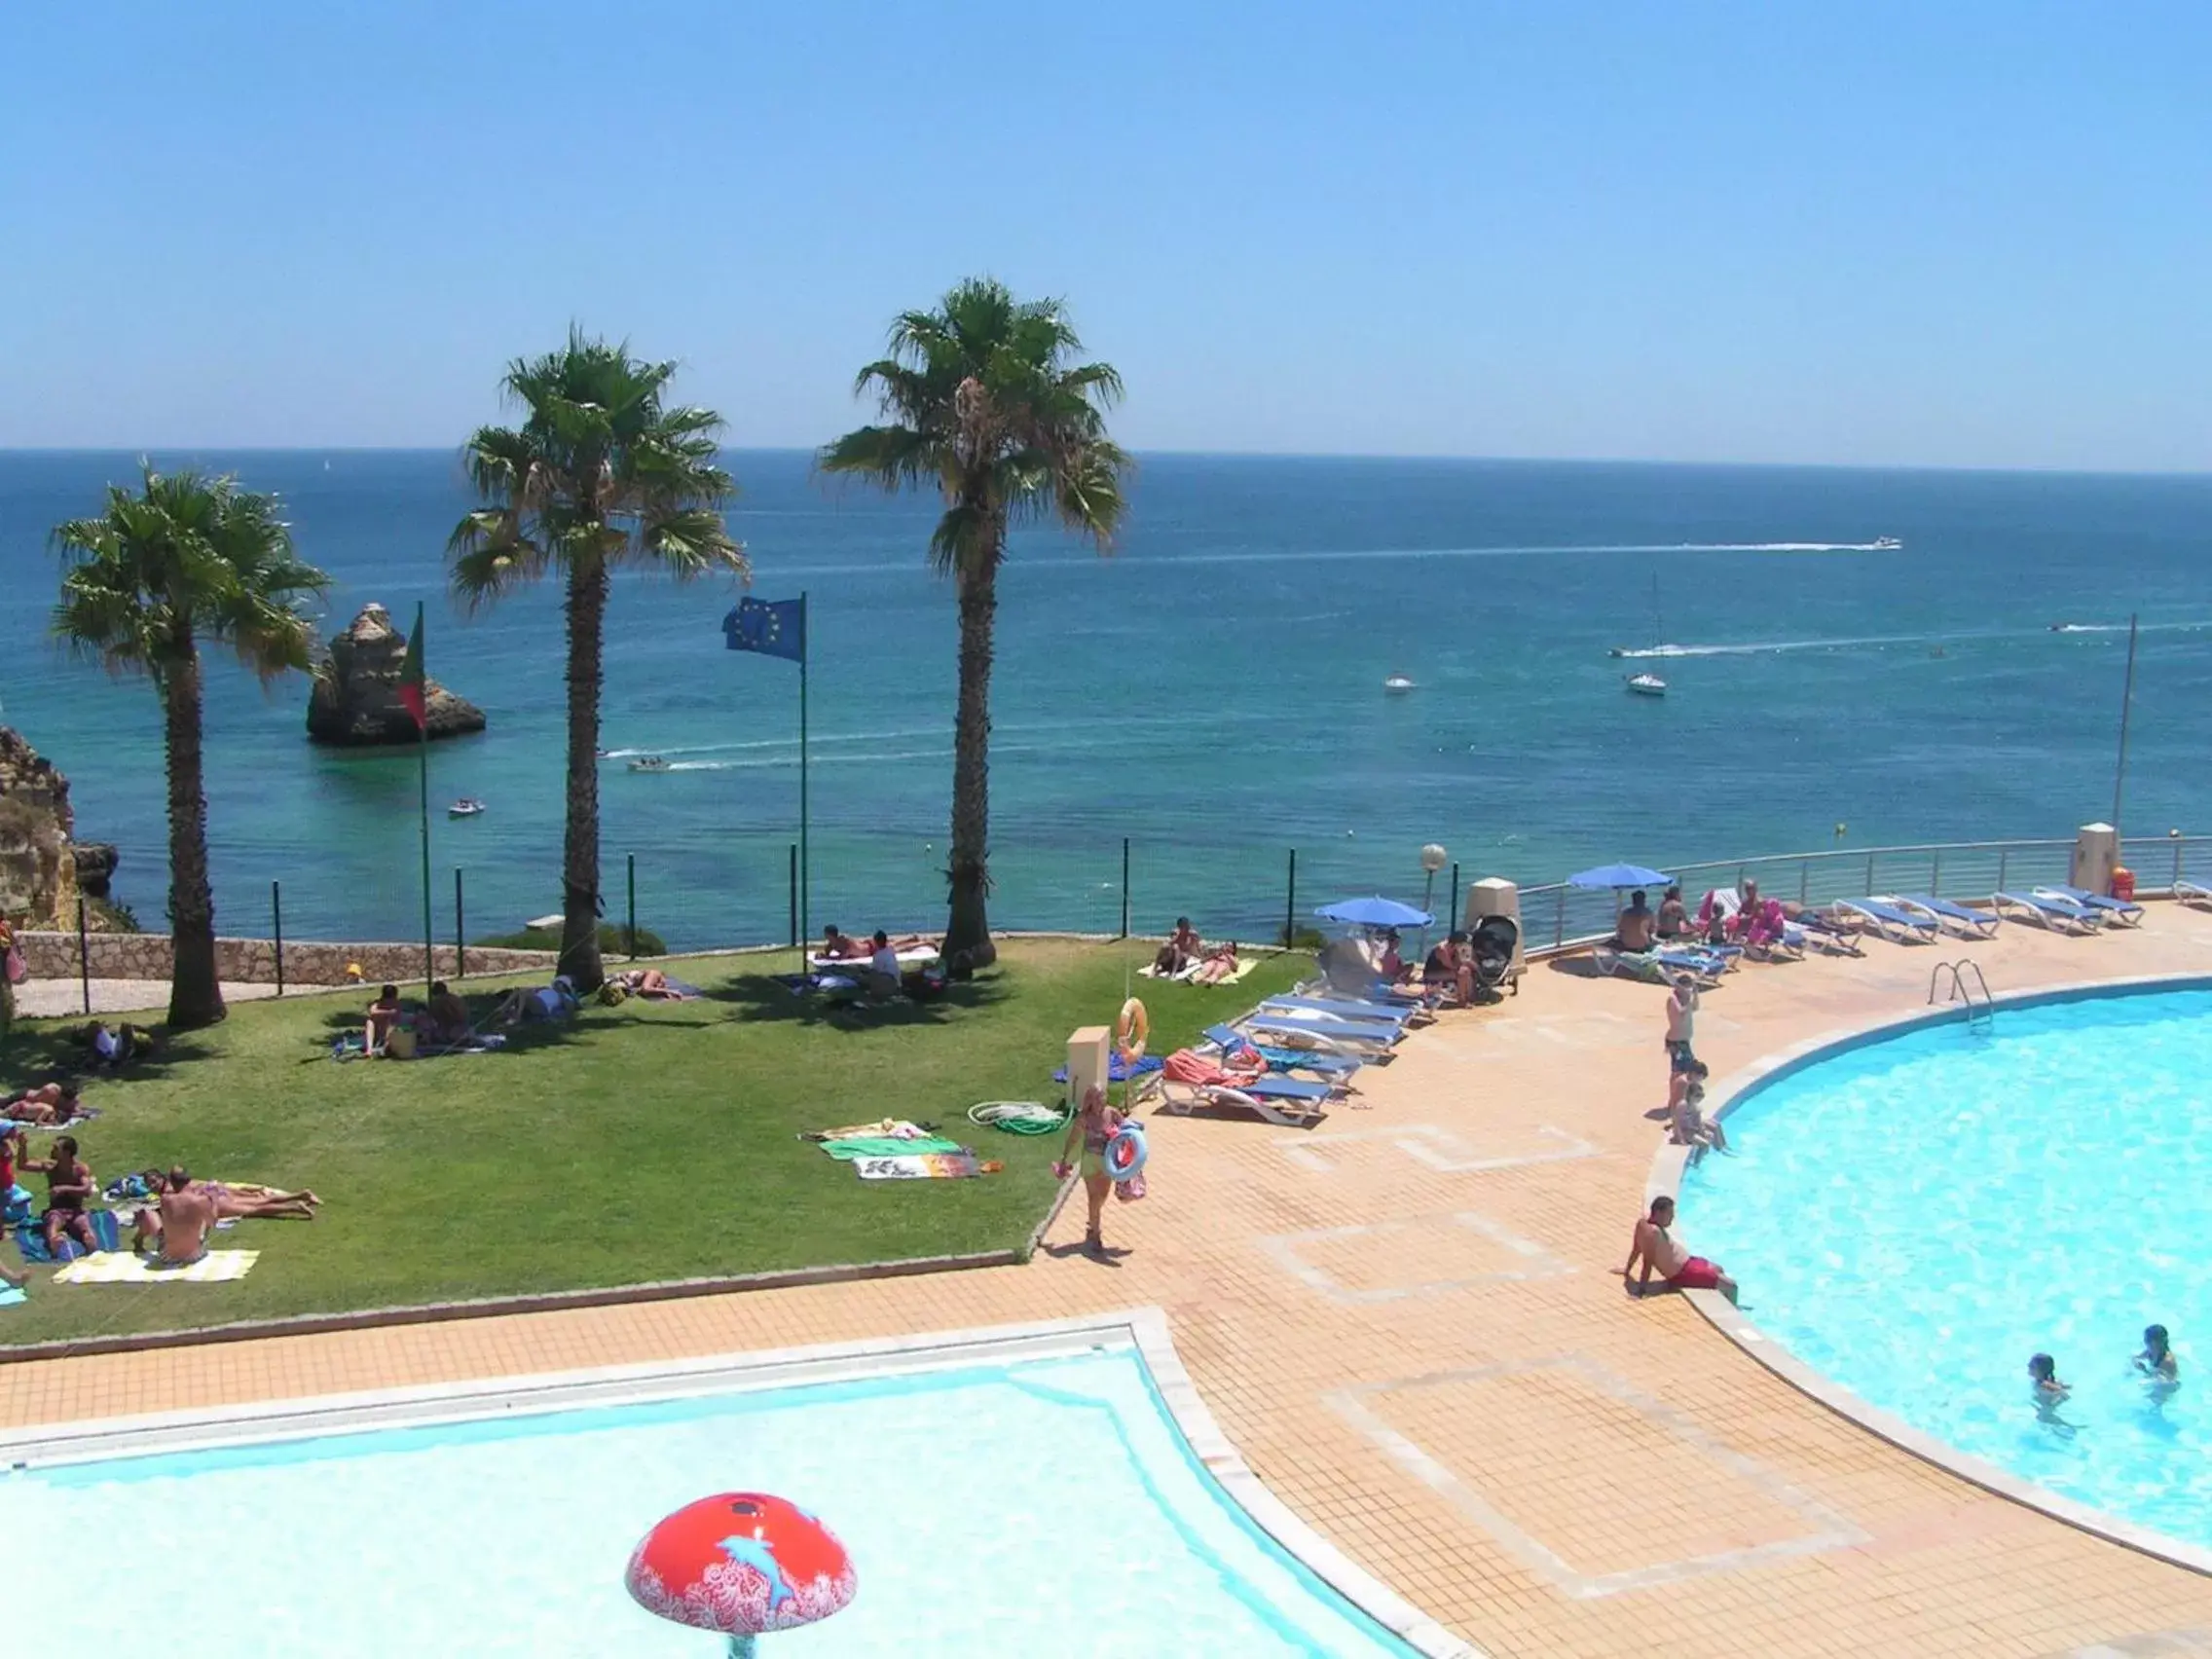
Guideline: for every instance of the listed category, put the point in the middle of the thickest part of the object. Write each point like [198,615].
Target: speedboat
[1647,684]
[650,763]
[1397,685]
[1886,544]
[467,806]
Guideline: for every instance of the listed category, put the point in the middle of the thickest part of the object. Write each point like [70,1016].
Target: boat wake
[1765,646]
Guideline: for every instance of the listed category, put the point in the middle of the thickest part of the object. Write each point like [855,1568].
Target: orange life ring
[1131,1031]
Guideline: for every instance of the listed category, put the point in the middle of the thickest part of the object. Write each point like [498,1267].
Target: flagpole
[805,918]
[2126,703]
[422,757]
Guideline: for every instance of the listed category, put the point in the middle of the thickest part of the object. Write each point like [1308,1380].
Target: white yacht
[1397,685]
[1647,684]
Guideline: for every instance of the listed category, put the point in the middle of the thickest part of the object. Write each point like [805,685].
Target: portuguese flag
[411,683]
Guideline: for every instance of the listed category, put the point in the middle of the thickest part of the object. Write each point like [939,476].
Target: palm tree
[601,472]
[982,397]
[188,558]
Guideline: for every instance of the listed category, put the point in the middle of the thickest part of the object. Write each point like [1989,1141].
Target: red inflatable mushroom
[744,1564]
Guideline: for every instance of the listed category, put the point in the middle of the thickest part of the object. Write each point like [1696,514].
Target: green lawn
[648,1141]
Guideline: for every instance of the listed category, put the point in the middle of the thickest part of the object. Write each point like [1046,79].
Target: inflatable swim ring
[1127,1152]
[1131,1030]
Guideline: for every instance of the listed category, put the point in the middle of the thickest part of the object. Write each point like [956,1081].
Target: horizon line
[143,450]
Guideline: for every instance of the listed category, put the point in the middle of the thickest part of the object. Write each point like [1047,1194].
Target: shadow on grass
[763,997]
[517,1039]
[62,1049]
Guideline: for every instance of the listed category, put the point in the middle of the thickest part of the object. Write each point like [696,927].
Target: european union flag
[774,628]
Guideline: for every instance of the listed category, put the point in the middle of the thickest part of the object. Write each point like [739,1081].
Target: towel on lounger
[1117,1071]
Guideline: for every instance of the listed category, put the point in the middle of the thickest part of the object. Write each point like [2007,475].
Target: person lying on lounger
[47,1103]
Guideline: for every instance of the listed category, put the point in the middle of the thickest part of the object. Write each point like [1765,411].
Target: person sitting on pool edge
[1662,1253]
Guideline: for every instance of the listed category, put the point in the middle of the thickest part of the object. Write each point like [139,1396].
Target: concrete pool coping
[1143,1329]
[1665,1181]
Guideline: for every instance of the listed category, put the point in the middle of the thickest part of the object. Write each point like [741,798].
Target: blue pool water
[1915,1217]
[1048,1506]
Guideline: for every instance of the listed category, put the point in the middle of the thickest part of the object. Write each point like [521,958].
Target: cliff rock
[38,875]
[355,700]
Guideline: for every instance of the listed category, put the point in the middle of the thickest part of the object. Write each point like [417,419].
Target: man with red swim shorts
[1660,1253]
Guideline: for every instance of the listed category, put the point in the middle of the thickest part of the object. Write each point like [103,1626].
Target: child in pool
[2157,1361]
[2049,1390]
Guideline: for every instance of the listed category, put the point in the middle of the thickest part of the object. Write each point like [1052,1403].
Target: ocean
[1213,692]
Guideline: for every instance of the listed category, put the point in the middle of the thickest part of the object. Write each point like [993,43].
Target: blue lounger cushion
[1339,1030]
[1345,1007]
[1117,1071]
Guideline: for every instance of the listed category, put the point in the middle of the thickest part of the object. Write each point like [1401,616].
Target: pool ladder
[1981,1016]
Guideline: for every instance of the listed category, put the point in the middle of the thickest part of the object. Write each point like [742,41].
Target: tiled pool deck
[1409,1323]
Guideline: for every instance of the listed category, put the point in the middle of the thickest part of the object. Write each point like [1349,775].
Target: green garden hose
[1019,1117]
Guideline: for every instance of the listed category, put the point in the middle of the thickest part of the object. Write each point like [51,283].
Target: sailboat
[1648,683]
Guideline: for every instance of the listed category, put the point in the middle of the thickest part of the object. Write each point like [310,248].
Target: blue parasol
[1619,876]
[1375,913]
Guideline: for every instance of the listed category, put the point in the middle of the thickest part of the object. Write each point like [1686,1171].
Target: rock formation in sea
[37,868]
[355,700]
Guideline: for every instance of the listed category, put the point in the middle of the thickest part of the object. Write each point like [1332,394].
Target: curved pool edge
[1146,1329]
[1664,1180]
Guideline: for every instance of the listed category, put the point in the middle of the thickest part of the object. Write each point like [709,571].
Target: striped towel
[120,1267]
[30,1237]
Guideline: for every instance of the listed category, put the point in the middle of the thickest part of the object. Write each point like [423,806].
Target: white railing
[1557,917]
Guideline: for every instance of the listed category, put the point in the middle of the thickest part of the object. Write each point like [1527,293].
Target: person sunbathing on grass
[226,1200]
[1220,964]
[384,1015]
[526,1004]
[47,1103]
[178,1229]
[1182,948]
[841,947]
[446,1019]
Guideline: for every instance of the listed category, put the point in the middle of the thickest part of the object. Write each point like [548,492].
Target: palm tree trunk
[196,993]
[580,856]
[969,927]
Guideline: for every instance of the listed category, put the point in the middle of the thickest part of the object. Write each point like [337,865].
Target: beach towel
[11,1295]
[30,1237]
[926,1167]
[1189,1067]
[128,1269]
[897,1127]
[1117,1071]
[16,1206]
[888,1146]
[83,1114]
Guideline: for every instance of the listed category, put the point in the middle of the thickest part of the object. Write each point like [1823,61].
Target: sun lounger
[2059,915]
[1659,967]
[1830,934]
[2121,912]
[1297,1110]
[2193,893]
[1327,1031]
[1961,919]
[1898,926]
[1231,1042]
[1345,1007]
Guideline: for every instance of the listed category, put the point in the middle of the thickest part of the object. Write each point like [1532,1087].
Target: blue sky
[1968,234]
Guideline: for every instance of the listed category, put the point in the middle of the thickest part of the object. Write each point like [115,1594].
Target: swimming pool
[1916,1215]
[1018,1506]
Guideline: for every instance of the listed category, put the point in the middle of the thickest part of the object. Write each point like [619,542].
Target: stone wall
[253,961]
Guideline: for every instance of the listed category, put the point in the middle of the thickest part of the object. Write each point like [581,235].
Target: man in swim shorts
[1660,1253]
[69,1189]
[187,1217]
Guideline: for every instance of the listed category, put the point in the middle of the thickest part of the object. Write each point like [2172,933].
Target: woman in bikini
[1220,964]
[1097,1123]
